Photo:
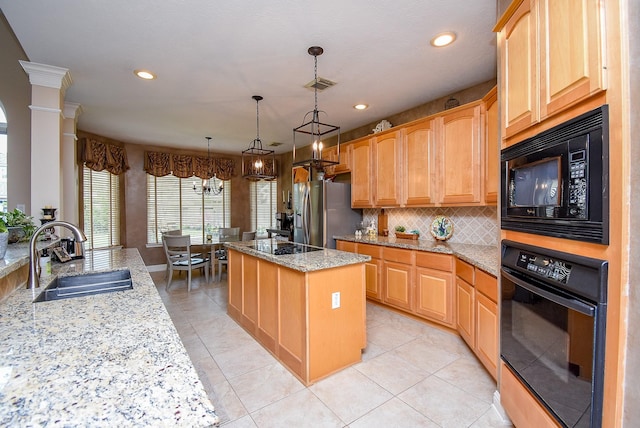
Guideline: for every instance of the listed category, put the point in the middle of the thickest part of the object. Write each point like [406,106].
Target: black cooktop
[279,248]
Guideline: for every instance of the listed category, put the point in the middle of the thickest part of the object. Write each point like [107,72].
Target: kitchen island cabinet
[307,309]
[109,359]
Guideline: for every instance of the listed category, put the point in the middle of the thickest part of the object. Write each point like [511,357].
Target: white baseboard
[500,410]
[157,268]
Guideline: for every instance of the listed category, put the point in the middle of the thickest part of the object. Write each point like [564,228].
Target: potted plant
[4,237]
[400,233]
[20,225]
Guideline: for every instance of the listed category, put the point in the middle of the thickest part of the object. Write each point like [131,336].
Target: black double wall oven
[554,304]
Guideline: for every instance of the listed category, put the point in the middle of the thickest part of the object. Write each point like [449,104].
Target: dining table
[211,245]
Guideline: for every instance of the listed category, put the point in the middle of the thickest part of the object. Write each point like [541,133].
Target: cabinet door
[492,148]
[235,284]
[388,183]
[518,40]
[398,281]
[460,155]
[292,316]
[361,175]
[344,164]
[434,295]
[249,317]
[419,164]
[571,56]
[486,313]
[346,246]
[465,305]
[330,154]
[372,273]
[268,305]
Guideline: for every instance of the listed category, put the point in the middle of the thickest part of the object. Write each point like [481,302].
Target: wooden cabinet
[387,153]
[477,294]
[344,160]
[460,156]
[291,313]
[361,174]
[397,270]
[491,172]
[465,304]
[419,169]
[435,288]
[372,270]
[551,57]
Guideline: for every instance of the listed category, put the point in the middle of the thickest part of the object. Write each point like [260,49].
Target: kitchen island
[306,305]
[103,360]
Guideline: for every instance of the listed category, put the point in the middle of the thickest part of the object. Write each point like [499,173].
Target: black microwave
[557,182]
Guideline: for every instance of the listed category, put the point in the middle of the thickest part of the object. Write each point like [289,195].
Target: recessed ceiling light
[361,106]
[443,39]
[144,74]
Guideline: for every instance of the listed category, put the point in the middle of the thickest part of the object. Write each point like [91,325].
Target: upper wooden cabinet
[551,56]
[460,154]
[419,164]
[387,152]
[362,174]
[491,147]
[344,161]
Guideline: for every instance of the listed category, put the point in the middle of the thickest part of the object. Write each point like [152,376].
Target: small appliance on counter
[73,248]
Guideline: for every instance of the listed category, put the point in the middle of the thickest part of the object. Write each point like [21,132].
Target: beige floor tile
[259,388]
[208,371]
[392,372]
[393,413]
[350,394]
[427,357]
[372,350]
[387,336]
[302,409]
[468,374]
[443,403]
[227,404]
[243,359]
[491,419]
[243,422]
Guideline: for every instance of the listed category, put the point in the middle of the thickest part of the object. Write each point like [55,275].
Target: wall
[15,96]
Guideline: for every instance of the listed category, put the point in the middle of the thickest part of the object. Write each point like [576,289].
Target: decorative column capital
[47,75]
[71,110]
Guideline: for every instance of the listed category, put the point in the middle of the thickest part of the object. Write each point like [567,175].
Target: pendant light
[213,186]
[314,133]
[258,163]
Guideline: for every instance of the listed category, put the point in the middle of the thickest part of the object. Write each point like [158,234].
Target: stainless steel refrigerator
[322,209]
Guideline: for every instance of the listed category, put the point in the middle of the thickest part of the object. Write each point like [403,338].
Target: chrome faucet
[34,279]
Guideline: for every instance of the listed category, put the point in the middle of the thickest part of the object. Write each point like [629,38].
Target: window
[101,199]
[3,161]
[264,204]
[172,204]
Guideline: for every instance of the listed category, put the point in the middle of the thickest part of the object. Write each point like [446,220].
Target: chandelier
[312,133]
[258,163]
[212,186]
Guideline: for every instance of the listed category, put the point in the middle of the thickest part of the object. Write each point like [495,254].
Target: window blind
[101,201]
[264,204]
[172,204]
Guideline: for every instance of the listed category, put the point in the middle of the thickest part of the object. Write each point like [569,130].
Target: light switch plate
[335,300]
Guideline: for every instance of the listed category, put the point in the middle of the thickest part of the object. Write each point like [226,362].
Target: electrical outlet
[335,300]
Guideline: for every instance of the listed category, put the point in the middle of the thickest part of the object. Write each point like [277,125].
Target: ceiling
[211,57]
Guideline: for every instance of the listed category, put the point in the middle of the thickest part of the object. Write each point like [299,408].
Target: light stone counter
[485,257]
[303,262]
[104,360]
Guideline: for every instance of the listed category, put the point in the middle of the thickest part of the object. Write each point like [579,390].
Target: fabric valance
[100,156]
[184,166]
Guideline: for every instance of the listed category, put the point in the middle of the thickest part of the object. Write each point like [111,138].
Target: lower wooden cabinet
[373,270]
[398,280]
[477,294]
[435,294]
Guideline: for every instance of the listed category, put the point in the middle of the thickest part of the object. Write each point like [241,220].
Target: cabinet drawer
[487,285]
[465,271]
[398,255]
[434,261]
[346,246]
[374,251]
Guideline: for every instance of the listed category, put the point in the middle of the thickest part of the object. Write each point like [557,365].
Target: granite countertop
[485,257]
[104,360]
[304,262]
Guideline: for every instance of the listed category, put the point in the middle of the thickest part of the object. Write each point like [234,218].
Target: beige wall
[15,97]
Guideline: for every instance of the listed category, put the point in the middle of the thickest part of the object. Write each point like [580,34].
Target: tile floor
[411,374]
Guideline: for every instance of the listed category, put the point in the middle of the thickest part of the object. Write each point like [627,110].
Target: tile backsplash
[471,225]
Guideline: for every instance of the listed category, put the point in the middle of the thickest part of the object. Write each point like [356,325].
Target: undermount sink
[67,287]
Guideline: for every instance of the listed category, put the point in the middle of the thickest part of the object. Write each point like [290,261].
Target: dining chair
[179,257]
[248,236]
[225,234]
